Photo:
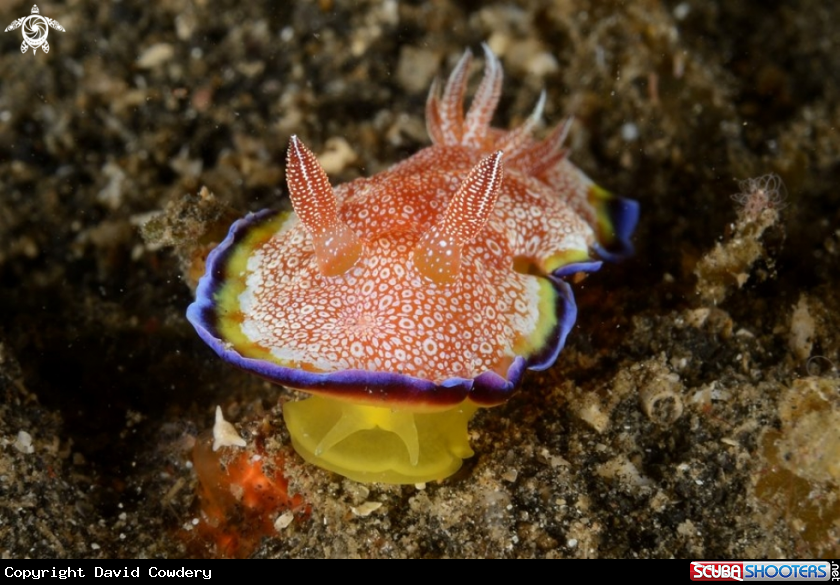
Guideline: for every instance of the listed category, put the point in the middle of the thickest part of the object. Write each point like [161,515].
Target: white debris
[23,443]
[112,193]
[224,433]
[681,10]
[629,132]
[155,55]
[510,475]
[337,155]
[802,330]
[366,509]
[283,520]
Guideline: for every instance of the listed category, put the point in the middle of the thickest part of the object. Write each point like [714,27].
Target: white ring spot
[357,350]
[385,302]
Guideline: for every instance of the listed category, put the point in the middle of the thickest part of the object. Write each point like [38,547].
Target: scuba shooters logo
[762,570]
[35,30]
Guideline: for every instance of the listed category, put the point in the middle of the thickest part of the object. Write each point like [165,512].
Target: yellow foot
[375,443]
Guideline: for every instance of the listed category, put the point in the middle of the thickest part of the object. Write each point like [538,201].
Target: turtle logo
[35,30]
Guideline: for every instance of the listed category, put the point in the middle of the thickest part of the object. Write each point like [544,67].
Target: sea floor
[693,413]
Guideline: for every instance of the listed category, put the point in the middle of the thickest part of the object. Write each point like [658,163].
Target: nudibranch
[404,301]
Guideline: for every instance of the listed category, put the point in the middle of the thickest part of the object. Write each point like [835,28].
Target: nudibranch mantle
[405,300]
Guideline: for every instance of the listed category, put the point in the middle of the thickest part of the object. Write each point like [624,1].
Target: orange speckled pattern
[382,315]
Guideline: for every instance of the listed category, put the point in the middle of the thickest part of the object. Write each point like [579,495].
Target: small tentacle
[451,109]
[514,141]
[337,247]
[545,154]
[438,253]
[484,102]
[434,125]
